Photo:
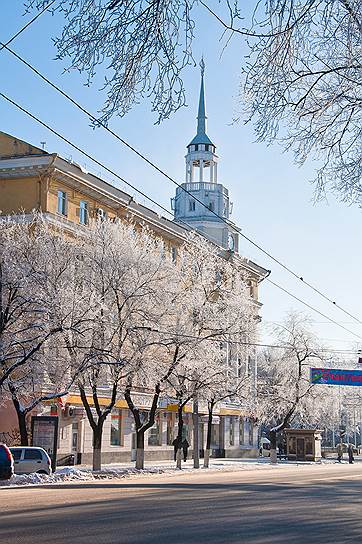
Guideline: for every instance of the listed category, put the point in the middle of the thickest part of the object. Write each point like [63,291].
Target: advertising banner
[334,376]
[44,434]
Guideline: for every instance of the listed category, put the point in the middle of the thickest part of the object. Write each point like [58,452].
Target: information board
[44,434]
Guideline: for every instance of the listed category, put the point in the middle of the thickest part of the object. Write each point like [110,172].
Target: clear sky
[273,199]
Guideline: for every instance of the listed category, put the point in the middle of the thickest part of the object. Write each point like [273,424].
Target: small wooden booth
[304,444]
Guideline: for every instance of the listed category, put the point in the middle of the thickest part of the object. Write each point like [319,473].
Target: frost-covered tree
[216,308]
[285,393]
[37,300]
[123,271]
[301,75]
[303,85]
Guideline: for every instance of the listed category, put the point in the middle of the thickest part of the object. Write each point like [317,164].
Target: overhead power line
[69,142]
[239,342]
[4,45]
[312,308]
[167,176]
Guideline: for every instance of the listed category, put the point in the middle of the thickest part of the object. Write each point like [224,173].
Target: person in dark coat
[176,446]
[185,447]
[339,452]
[350,454]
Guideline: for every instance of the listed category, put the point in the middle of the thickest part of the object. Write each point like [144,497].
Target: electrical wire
[167,176]
[4,45]
[35,118]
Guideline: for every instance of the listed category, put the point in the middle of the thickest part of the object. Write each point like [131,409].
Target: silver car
[29,459]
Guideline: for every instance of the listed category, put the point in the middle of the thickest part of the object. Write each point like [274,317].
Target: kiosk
[304,444]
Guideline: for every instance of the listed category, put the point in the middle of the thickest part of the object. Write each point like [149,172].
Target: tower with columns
[201,201]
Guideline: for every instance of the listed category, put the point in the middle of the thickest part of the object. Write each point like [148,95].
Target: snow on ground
[69,474]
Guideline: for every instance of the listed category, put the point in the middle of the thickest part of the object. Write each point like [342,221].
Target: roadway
[282,505]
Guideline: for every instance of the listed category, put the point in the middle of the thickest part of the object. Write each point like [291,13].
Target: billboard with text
[334,376]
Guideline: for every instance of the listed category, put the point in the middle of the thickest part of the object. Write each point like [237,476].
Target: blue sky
[273,199]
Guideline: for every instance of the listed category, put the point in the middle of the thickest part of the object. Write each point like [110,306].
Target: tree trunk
[195,417]
[273,447]
[21,415]
[140,449]
[97,447]
[208,438]
[179,436]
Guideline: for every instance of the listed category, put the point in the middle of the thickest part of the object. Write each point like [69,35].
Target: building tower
[205,206]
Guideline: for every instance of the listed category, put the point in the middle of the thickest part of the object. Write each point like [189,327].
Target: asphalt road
[308,504]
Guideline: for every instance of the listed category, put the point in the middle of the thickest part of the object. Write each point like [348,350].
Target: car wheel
[42,472]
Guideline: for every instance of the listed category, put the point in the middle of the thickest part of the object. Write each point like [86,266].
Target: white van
[264,447]
[29,459]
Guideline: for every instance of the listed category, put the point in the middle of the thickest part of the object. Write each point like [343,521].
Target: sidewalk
[126,470]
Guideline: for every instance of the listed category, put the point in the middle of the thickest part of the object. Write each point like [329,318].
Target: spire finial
[202,66]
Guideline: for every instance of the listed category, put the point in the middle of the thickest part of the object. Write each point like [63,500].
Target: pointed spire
[201,137]
[201,116]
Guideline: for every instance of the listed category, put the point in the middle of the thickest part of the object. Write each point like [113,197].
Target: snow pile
[67,474]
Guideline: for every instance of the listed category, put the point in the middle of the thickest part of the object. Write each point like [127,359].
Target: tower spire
[201,115]
[201,136]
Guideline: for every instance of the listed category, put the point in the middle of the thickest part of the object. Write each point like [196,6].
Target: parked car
[264,447]
[6,463]
[28,459]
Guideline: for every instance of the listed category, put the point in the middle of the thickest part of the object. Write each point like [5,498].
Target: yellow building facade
[33,180]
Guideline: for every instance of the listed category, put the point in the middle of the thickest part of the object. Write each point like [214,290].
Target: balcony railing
[205,186]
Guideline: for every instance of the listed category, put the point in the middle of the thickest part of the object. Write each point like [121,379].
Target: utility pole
[195,417]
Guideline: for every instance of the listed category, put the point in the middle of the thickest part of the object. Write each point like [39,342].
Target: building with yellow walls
[33,179]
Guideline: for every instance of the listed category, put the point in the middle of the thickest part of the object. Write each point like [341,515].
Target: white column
[212,164]
[201,170]
[215,172]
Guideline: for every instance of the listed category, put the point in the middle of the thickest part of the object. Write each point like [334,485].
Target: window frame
[62,202]
[83,212]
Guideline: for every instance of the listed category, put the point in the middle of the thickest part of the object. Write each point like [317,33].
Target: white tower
[202,202]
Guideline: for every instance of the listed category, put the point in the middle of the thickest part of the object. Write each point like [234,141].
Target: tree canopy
[300,79]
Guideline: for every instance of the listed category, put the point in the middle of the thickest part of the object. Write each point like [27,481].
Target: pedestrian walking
[350,453]
[185,447]
[339,452]
[176,446]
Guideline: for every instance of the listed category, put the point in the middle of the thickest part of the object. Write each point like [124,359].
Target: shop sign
[333,376]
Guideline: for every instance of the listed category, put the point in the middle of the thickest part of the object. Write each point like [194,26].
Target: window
[116,428]
[292,445]
[211,206]
[215,436]
[33,454]
[207,147]
[241,431]
[196,147]
[83,212]
[192,206]
[174,254]
[171,431]
[251,432]
[154,433]
[62,202]
[308,445]
[16,454]
[231,431]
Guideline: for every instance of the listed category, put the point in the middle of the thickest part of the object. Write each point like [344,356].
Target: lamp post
[195,417]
